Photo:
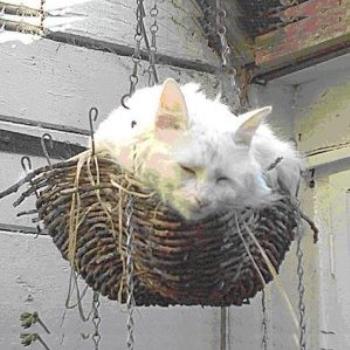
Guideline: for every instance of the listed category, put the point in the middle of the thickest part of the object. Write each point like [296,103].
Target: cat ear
[252,121]
[172,112]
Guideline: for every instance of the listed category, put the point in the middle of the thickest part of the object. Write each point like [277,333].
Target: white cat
[195,152]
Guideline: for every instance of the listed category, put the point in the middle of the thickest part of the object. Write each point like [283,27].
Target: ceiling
[274,37]
[261,16]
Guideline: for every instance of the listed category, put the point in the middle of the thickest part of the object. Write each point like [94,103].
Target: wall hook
[312,182]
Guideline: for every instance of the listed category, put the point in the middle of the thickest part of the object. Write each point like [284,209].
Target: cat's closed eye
[222,179]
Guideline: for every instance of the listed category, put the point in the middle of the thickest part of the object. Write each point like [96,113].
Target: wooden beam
[326,28]
[123,50]
[14,142]
[21,229]
[111,24]
[241,44]
[43,125]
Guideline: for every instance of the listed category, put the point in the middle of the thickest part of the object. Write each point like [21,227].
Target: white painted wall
[58,83]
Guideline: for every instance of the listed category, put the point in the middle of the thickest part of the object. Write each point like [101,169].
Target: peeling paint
[326,26]
[326,122]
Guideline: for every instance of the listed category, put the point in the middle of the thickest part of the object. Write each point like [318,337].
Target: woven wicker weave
[212,262]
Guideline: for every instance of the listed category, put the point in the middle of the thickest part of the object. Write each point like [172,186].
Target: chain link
[96,320]
[154,28]
[42,16]
[264,323]
[300,271]
[301,291]
[136,56]
[207,24]
[221,31]
[130,275]
[228,73]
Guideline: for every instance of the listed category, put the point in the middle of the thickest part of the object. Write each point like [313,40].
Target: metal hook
[27,168]
[25,159]
[93,114]
[123,100]
[312,182]
[48,137]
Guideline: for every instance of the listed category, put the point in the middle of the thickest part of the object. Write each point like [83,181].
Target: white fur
[208,145]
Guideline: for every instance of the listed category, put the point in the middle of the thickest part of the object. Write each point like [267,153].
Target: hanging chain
[227,73]
[96,320]
[208,23]
[154,28]
[264,323]
[221,31]
[129,276]
[42,16]
[300,264]
[136,56]
[301,290]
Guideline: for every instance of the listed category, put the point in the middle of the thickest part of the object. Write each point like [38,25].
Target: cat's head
[197,170]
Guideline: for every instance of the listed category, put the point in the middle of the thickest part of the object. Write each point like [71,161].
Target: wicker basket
[218,261]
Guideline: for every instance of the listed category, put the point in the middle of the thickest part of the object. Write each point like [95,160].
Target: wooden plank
[179,35]
[15,142]
[326,28]
[120,50]
[329,157]
[57,83]
[62,136]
